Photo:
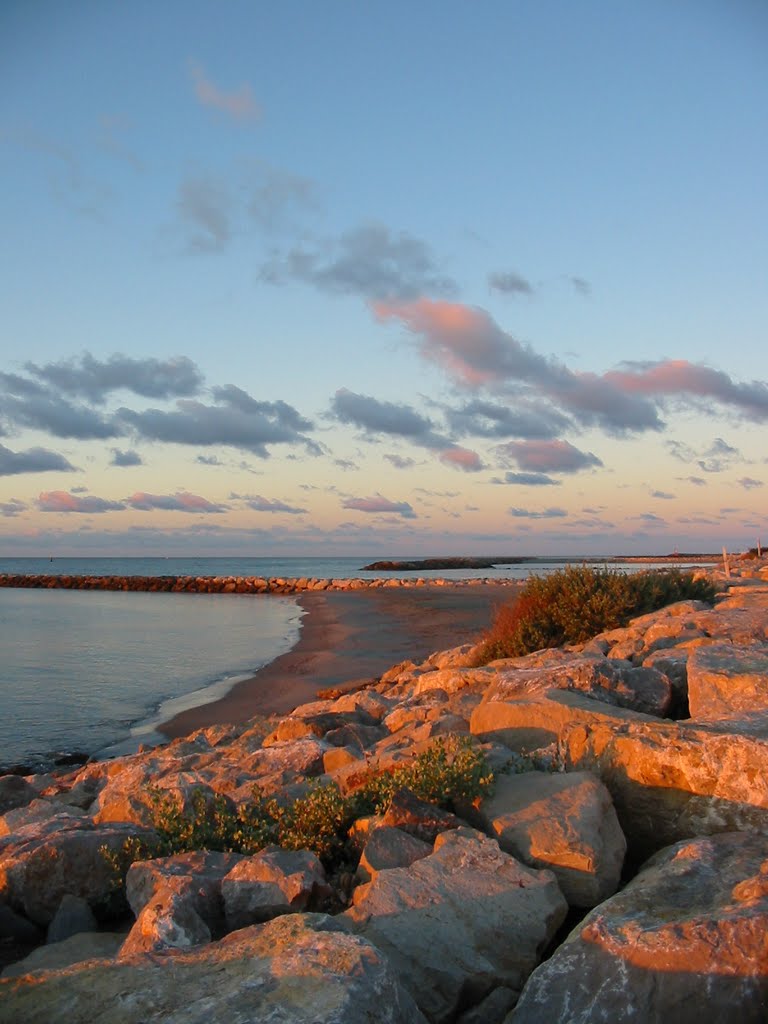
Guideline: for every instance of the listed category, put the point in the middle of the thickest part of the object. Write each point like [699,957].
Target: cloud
[347,465]
[582,286]
[530,480]
[399,461]
[524,419]
[379,504]
[462,458]
[696,481]
[261,504]
[240,105]
[509,283]
[238,420]
[378,417]
[33,460]
[548,456]
[369,261]
[53,414]
[208,460]
[182,501]
[62,501]
[12,507]
[662,494]
[128,458]
[718,457]
[680,378]
[93,379]
[547,513]
[468,344]
[650,517]
[749,484]
[205,206]
[273,193]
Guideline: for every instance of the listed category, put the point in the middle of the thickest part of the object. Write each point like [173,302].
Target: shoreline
[348,638]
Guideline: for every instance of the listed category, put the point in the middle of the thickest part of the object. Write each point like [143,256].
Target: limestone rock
[727,681]
[15,791]
[388,847]
[272,882]
[43,862]
[73,916]
[423,820]
[460,923]
[563,821]
[74,950]
[169,921]
[196,876]
[301,969]
[685,941]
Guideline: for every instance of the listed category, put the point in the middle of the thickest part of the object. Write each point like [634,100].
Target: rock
[388,847]
[728,681]
[169,921]
[43,862]
[685,941]
[15,791]
[565,822]
[73,950]
[17,928]
[272,882]
[301,969]
[33,812]
[417,817]
[73,916]
[460,923]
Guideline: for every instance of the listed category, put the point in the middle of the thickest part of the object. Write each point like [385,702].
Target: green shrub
[452,768]
[576,603]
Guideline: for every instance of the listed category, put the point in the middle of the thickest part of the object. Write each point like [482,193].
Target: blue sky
[383,278]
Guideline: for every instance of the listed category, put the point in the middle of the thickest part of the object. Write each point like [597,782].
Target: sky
[326,277]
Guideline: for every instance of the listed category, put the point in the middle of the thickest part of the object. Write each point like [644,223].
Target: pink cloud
[63,501]
[377,503]
[548,456]
[241,104]
[462,458]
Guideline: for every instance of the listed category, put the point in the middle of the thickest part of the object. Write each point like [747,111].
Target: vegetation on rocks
[576,603]
[451,769]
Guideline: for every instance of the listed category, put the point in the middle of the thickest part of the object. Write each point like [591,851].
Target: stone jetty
[234,584]
[618,871]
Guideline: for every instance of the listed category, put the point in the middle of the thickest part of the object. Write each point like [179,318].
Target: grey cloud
[547,513]
[399,461]
[509,283]
[182,501]
[260,504]
[530,479]
[239,422]
[12,508]
[205,206]
[93,379]
[582,286]
[274,193]
[662,494]
[718,457]
[383,417]
[749,484]
[489,419]
[368,261]
[696,481]
[548,456]
[650,517]
[55,415]
[208,460]
[127,458]
[345,464]
[33,460]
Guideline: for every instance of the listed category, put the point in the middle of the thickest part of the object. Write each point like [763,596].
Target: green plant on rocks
[451,769]
[576,603]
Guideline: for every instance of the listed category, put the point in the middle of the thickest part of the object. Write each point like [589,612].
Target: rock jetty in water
[618,871]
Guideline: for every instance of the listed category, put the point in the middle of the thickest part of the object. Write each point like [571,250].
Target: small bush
[576,603]
[451,769]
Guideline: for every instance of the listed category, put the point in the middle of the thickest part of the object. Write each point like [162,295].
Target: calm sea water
[98,670]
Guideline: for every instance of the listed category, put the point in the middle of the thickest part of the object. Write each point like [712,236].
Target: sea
[96,672]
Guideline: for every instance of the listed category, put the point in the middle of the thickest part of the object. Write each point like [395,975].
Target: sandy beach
[351,637]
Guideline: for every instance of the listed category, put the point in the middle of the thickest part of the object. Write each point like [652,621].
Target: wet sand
[348,638]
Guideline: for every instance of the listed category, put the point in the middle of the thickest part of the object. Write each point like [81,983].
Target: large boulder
[729,681]
[562,821]
[302,969]
[459,923]
[685,941]
[272,882]
[41,863]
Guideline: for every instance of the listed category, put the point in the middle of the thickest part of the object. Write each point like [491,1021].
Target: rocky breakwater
[618,870]
[231,584]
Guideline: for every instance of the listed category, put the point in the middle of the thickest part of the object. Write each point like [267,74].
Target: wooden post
[759,549]
[726,566]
